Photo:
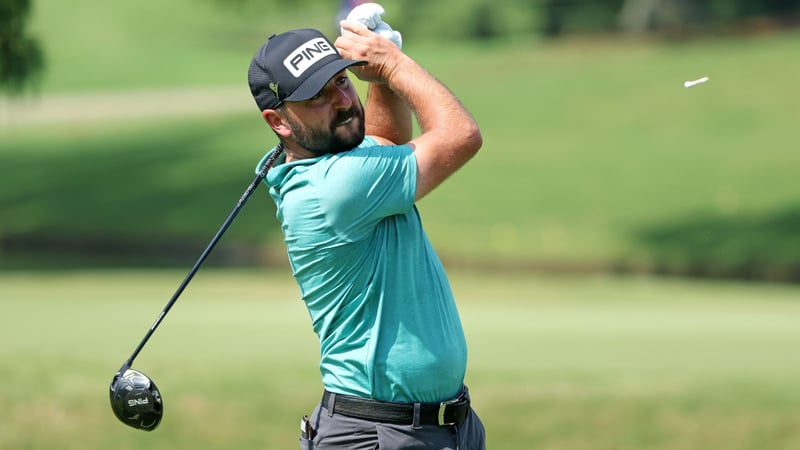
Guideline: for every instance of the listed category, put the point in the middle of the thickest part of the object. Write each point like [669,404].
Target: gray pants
[335,431]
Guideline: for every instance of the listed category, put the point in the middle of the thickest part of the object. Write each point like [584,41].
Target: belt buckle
[461,400]
[442,410]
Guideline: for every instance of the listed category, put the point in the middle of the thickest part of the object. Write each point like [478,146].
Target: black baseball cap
[293,66]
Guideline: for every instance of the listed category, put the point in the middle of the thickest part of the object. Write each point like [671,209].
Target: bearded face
[343,133]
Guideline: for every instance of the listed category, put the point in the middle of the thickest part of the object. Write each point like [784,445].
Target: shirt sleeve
[366,185]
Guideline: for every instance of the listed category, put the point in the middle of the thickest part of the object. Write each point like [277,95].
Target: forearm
[388,115]
[450,136]
[440,114]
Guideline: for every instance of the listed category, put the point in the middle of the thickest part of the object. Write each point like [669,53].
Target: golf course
[597,362]
[624,250]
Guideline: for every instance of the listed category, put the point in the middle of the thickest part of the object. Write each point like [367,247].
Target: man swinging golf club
[345,183]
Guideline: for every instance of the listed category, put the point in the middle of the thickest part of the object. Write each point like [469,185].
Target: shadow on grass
[154,195]
[764,247]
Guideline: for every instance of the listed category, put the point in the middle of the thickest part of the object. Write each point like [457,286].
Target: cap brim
[320,78]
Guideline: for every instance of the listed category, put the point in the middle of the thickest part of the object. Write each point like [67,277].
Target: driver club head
[135,400]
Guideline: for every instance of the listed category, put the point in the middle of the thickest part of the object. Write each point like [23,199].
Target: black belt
[451,412]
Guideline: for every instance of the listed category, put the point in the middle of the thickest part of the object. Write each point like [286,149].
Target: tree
[655,15]
[554,16]
[21,58]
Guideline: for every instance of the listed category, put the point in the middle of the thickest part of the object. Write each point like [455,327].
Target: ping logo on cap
[306,55]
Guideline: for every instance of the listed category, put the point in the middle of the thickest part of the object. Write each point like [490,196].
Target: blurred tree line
[673,16]
[482,19]
[486,19]
[21,57]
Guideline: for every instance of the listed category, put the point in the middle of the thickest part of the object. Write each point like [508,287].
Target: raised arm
[450,136]
[388,117]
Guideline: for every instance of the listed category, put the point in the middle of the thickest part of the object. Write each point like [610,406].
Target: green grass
[185,177]
[594,154]
[589,147]
[96,45]
[555,363]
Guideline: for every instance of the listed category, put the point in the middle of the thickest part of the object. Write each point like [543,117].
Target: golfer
[393,352]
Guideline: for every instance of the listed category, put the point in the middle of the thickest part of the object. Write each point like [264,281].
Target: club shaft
[239,205]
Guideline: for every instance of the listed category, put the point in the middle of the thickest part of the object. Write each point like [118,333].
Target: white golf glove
[370,14]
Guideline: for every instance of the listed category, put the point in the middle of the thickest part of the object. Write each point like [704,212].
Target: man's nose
[341,98]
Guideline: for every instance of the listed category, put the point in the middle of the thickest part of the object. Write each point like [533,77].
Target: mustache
[353,112]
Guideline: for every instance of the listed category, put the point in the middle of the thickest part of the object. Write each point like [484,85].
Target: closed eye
[342,81]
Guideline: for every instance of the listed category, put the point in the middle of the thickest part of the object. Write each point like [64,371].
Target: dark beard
[321,141]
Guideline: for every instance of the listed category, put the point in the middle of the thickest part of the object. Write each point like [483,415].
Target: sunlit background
[624,249]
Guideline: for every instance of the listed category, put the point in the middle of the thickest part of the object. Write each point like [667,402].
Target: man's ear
[276,121]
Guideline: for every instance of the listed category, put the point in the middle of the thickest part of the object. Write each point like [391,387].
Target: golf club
[135,399]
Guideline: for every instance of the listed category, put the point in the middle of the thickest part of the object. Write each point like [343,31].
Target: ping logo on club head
[138,401]
[274,88]
[306,55]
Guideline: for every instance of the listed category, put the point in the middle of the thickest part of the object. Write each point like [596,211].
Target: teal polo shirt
[376,291]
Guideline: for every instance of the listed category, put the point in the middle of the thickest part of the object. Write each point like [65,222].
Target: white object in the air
[688,84]
[370,14]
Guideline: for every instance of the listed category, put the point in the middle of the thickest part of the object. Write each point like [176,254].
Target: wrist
[402,66]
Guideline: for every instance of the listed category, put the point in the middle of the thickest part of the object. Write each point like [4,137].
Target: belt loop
[331,404]
[415,421]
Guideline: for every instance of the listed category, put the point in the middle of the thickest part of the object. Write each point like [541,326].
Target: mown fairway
[559,363]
